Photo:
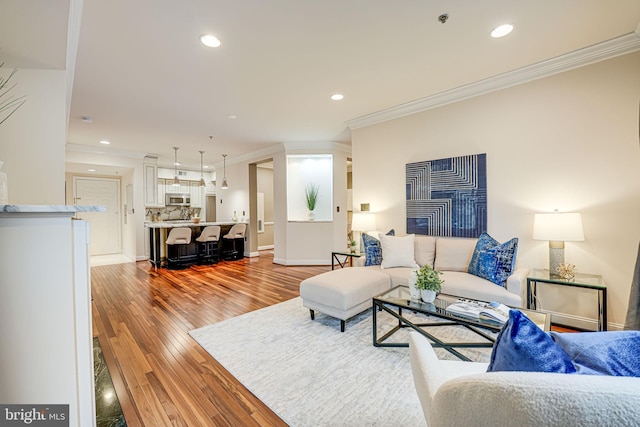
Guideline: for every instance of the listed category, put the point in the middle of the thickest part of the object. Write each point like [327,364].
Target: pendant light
[225,184]
[176,181]
[202,183]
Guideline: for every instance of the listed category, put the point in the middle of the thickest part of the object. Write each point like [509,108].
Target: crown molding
[618,46]
[317,145]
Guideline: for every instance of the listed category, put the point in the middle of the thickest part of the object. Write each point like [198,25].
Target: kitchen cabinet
[161,191]
[196,194]
[151,185]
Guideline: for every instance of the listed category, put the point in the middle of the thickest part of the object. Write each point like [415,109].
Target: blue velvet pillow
[373,248]
[523,346]
[602,353]
[492,260]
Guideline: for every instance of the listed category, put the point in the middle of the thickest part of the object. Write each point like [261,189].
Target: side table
[585,281]
[349,256]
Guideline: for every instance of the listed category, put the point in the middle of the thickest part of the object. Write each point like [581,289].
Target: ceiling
[148,84]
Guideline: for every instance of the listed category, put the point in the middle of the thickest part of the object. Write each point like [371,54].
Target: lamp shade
[363,222]
[559,227]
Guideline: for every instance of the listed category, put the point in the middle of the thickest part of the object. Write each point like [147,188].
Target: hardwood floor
[163,377]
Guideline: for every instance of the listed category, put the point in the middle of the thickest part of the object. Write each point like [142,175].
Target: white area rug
[311,374]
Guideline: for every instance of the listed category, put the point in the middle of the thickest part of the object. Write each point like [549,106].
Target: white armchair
[462,394]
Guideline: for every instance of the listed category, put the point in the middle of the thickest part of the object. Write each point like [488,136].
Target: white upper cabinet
[151,185]
[196,194]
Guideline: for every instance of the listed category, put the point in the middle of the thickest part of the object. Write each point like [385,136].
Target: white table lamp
[363,222]
[557,228]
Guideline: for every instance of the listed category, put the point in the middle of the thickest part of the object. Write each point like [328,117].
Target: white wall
[265,186]
[32,140]
[568,142]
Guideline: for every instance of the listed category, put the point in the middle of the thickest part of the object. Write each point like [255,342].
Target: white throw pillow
[397,251]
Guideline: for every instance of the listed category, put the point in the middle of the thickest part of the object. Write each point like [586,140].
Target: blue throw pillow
[492,260]
[373,248]
[602,353]
[523,346]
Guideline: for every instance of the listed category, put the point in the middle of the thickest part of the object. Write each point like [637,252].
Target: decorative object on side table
[566,271]
[429,282]
[311,197]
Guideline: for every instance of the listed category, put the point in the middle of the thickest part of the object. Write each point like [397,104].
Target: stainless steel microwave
[177,199]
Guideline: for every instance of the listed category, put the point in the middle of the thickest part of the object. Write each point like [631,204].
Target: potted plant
[311,196]
[429,282]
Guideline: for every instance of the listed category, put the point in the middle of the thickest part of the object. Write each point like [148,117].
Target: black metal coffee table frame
[388,305]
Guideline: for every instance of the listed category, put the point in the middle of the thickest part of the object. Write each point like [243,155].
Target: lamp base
[556,257]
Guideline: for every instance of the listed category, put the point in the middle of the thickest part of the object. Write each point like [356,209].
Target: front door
[105,226]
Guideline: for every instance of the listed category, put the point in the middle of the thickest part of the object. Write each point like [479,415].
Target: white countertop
[50,208]
[183,223]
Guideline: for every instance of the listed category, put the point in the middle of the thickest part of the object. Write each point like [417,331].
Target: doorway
[105,226]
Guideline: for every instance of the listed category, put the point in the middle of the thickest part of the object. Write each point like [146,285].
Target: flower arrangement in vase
[429,283]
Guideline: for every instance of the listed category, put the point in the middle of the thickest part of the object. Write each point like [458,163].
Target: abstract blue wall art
[448,197]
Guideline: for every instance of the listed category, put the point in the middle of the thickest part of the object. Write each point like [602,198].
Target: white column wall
[32,140]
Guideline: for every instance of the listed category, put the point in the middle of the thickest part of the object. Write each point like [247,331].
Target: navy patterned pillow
[492,260]
[373,248]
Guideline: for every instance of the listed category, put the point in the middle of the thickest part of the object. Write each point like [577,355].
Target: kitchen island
[158,232]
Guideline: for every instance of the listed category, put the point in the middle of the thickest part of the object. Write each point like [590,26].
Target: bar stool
[234,242]
[208,247]
[177,242]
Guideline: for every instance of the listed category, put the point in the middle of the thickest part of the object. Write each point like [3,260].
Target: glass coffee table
[398,299]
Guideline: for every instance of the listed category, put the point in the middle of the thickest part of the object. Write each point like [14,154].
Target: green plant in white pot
[429,282]
[311,198]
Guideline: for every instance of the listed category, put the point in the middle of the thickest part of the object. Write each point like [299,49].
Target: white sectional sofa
[451,256]
[343,294]
[456,393]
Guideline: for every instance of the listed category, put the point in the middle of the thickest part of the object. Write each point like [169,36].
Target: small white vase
[428,295]
[413,278]
[311,215]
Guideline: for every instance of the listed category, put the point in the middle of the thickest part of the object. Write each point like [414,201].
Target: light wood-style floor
[161,375]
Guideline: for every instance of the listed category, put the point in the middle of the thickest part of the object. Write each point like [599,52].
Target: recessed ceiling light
[91,170]
[232,117]
[337,97]
[105,142]
[206,166]
[501,30]
[209,40]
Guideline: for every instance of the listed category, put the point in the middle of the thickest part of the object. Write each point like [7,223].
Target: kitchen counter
[184,223]
[158,232]
[50,209]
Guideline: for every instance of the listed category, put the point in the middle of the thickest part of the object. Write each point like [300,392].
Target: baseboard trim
[300,262]
[581,323]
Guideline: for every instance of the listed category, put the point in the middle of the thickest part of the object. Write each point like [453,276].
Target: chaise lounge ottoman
[342,293]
